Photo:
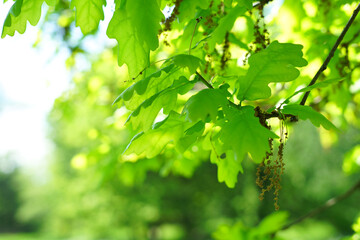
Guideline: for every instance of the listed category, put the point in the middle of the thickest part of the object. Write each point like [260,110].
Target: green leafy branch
[331,53]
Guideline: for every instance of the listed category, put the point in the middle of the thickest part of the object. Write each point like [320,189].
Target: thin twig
[203,80]
[331,53]
[331,202]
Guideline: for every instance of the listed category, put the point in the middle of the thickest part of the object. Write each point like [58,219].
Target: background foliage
[164,185]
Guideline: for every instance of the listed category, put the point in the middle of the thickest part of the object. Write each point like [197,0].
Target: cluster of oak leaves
[221,117]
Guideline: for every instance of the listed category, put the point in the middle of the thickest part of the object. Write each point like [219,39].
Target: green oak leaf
[88,14]
[187,61]
[243,133]
[225,25]
[187,8]
[276,63]
[306,112]
[205,104]
[146,18]
[137,93]
[152,142]
[131,51]
[135,27]
[191,135]
[20,13]
[228,168]
[146,113]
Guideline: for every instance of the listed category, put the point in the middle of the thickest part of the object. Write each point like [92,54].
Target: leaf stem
[331,53]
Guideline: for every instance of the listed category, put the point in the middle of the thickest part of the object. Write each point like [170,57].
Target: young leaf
[146,113]
[187,8]
[277,63]
[152,142]
[88,14]
[187,61]
[21,12]
[306,112]
[225,25]
[135,28]
[228,167]
[149,86]
[205,104]
[131,51]
[243,133]
[146,17]
[191,135]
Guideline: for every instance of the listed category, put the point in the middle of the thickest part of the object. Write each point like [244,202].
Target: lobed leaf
[187,61]
[242,133]
[149,86]
[146,113]
[228,167]
[135,28]
[276,63]
[88,14]
[152,142]
[20,13]
[306,112]
[204,104]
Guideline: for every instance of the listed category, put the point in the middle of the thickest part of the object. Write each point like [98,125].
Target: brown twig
[331,202]
[331,53]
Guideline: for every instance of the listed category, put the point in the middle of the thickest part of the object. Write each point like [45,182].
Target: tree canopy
[198,81]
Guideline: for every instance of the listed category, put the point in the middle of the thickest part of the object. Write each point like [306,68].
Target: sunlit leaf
[134,95]
[205,104]
[277,63]
[242,133]
[306,112]
[88,14]
[135,28]
[146,113]
[187,61]
[152,142]
[188,8]
[21,12]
